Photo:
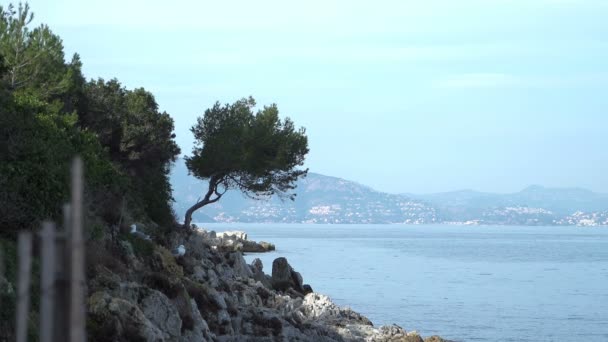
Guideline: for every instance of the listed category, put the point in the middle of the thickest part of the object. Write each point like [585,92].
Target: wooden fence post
[47,280]
[61,311]
[77,277]
[24,248]
[1,272]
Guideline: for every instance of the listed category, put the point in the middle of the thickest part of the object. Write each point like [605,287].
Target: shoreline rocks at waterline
[235,241]
[212,295]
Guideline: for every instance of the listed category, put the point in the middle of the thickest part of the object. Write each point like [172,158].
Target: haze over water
[464,283]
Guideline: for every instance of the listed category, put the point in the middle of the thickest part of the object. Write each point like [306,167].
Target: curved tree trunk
[213,184]
[189,212]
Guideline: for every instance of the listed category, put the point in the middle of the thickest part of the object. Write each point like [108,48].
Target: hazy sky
[404,96]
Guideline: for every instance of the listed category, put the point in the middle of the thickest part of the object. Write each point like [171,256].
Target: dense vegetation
[49,113]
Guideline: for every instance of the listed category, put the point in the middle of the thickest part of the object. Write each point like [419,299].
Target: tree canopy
[49,113]
[256,153]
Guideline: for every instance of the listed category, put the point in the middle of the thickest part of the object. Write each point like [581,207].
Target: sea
[464,283]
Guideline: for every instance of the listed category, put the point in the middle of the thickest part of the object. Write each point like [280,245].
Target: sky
[403,96]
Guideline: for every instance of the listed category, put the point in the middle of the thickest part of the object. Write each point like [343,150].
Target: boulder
[257,265]
[413,336]
[120,318]
[257,247]
[284,277]
[200,330]
[197,244]
[435,338]
[257,269]
[395,333]
[281,275]
[156,307]
[232,234]
[320,308]
[267,246]
[307,289]
[241,269]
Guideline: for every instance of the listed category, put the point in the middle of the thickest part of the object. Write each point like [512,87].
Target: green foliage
[34,58]
[256,153]
[7,315]
[142,248]
[8,299]
[96,232]
[49,113]
[35,168]
[139,139]
[9,254]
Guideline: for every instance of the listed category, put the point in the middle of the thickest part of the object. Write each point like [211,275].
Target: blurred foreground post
[1,272]
[47,280]
[62,277]
[61,326]
[24,249]
[77,277]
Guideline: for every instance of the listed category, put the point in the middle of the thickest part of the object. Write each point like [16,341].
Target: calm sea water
[463,283]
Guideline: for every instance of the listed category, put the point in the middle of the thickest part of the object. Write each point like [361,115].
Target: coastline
[347,323]
[211,294]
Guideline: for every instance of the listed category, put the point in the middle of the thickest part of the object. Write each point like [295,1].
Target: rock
[156,307]
[435,338]
[210,295]
[281,274]
[241,269]
[307,289]
[199,273]
[267,246]
[121,318]
[232,234]
[228,241]
[228,245]
[413,336]
[200,330]
[258,273]
[320,308]
[257,265]
[162,314]
[284,277]
[255,247]
[197,244]
[212,278]
[298,281]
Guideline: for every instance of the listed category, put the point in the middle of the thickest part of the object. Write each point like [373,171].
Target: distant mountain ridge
[326,199]
[467,204]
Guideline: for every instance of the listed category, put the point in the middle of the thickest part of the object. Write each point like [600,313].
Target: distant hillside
[554,202]
[324,199]
[320,199]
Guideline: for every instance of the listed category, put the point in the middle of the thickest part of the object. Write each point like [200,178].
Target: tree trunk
[213,184]
[189,212]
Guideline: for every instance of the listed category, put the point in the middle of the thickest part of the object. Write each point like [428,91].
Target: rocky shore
[211,294]
[234,241]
